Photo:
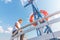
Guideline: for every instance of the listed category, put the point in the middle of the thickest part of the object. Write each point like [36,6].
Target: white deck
[46,36]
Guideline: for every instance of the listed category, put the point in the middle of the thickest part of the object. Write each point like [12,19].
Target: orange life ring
[32,20]
[44,12]
[32,17]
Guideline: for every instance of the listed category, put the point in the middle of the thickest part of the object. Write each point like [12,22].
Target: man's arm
[16,25]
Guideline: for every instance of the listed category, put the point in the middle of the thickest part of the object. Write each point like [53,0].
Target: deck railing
[41,25]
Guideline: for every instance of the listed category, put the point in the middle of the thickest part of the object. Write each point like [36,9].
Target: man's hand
[20,30]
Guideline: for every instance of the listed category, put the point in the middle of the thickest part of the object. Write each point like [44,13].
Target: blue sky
[12,10]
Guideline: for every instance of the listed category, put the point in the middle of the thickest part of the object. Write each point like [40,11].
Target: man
[16,27]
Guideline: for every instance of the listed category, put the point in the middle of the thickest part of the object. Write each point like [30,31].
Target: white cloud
[9,30]
[7,1]
[1,29]
[6,31]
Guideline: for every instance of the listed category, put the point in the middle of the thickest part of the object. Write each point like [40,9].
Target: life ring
[45,13]
[32,20]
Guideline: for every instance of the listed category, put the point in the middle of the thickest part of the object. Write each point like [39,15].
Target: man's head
[20,21]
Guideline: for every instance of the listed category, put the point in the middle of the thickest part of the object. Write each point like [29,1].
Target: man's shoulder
[16,22]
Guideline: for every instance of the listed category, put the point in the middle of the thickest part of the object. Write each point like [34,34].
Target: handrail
[55,13]
[41,26]
[50,22]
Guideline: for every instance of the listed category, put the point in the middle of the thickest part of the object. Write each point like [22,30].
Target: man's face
[20,22]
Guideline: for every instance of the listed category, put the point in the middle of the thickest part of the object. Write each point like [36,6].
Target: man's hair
[20,20]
